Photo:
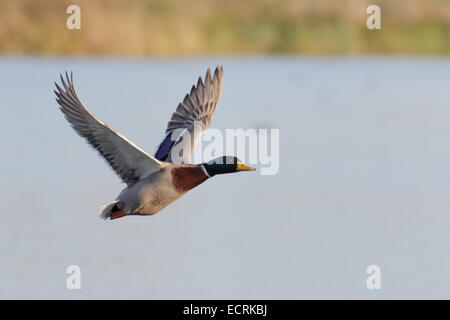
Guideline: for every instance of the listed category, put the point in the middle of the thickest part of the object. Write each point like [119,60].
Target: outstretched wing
[191,118]
[129,161]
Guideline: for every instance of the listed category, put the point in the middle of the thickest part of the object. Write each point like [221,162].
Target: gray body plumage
[150,194]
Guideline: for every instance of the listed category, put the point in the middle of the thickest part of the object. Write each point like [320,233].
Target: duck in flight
[153,182]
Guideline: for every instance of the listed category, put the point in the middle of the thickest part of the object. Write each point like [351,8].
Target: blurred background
[204,27]
[364,125]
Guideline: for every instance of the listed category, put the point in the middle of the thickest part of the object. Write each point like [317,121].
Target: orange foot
[117,214]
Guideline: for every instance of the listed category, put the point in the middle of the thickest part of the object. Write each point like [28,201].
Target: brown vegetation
[175,27]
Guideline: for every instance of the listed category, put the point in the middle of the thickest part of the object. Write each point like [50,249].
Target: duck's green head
[225,164]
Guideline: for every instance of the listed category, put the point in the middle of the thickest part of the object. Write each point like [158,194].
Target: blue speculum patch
[164,148]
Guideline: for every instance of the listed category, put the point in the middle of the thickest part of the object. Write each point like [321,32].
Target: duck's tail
[111,211]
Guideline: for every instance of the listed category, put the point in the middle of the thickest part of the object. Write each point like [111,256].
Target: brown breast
[186,177]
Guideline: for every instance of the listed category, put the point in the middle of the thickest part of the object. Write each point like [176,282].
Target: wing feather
[198,106]
[130,162]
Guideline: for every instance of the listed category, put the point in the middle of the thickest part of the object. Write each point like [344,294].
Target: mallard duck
[153,182]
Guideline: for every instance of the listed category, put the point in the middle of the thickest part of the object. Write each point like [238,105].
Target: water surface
[364,179]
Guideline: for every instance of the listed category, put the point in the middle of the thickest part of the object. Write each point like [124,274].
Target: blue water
[364,179]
